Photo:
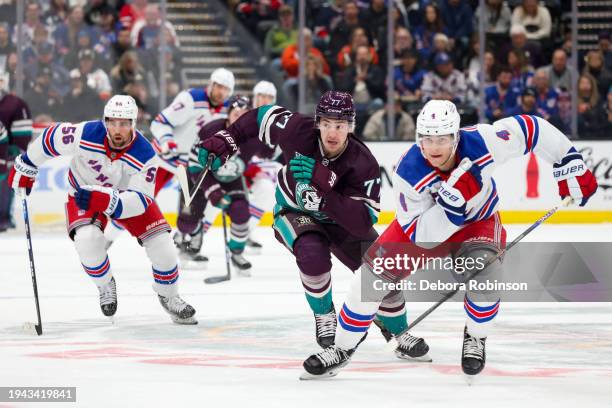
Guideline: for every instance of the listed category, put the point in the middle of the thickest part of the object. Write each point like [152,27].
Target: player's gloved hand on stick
[221,146]
[23,174]
[99,199]
[462,185]
[220,199]
[308,170]
[169,151]
[574,178]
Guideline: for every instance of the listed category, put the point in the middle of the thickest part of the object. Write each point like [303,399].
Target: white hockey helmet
[121,107]
[438,118]
[265,88]
[223,77]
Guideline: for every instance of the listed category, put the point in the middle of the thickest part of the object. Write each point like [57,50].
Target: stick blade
[216,279]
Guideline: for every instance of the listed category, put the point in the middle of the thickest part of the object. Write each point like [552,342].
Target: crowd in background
[436,55]
[78,53]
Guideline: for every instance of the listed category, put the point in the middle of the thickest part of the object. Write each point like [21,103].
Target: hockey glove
[574,178]
[309,171]
[220,199]
[462,185]
[221,145]
[169,151]
[23,174]
[99,199]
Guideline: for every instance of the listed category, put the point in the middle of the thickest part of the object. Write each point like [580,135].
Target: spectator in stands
[535,18]
[122,44]
[31,21]
[603,44]
[41,36]
[474,74]
[258,15]
[340,36]
[60,82]
[546,97]
[445,82]
[500,98]
[95,78]
[131,12]
[346,56]
[66,34]
[108,32]
[441,44]
[71,60]
[596,67]
[127,71]
[527,104]
[146,32]
[408,77]
[281,35]
[317,83]
[327,19]
[81,102]
[559,74]
[376,17]
[56,14]
[376,126]
[424,34]
[565,111]
[497,17]
[458,18]
[592,120]
[290,59]
[518,41]
[94,11]
[10,68]
[7,11]
[366,82]
[42,98]
[522,73]
[608,109]
[403,41]
[6,45]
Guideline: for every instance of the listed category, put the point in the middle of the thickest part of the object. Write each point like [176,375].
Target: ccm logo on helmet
[570,170]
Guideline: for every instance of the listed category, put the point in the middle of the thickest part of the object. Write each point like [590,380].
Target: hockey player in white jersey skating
[174,131]
[447,203]
[111,174]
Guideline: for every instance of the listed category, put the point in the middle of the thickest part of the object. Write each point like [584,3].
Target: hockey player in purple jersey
[327,201]
[447,204]
[15,134]
[224,188]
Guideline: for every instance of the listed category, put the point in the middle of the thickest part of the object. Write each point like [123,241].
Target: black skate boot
[108,298]
[412,348]
[474,355]
[180,311]
[189,246]
[243,267]
[253,246]
[383,330]
[326,364]
[325,326]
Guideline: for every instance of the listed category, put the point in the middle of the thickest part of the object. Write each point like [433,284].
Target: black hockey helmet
[336,105]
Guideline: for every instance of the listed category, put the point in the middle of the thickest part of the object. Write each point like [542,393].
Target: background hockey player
[176,127]
[327,200]
[445,195]
[111,174]
[224,188]
[15,134]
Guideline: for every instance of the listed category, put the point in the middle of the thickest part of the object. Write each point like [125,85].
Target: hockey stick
[26,219]
[566,201]
[228,276]
[181,175]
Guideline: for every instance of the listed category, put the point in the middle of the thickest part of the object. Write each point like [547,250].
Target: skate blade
[245,273]
[306,376]
[425,358]
[469,379]
[186,321]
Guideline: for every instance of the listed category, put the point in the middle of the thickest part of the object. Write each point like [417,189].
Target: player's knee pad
[89,243]
[161,251]
[239,210]
[312,254]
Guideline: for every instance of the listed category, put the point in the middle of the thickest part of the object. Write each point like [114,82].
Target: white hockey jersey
[131,171]
[182,120]
[416,182]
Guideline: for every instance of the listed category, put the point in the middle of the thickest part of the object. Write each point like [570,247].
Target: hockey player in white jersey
[447,203]
[111,175]
[176,128]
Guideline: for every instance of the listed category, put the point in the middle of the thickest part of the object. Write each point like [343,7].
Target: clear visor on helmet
[118,123]
[436,140]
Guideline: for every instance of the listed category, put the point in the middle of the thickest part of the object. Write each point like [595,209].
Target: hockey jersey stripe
[92,147]
[161,118]
[72,180]
[529,126]
[98,271]
[166,277]
[419,186]
[48,143]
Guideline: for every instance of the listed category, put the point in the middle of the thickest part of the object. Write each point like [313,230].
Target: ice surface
[255,332]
